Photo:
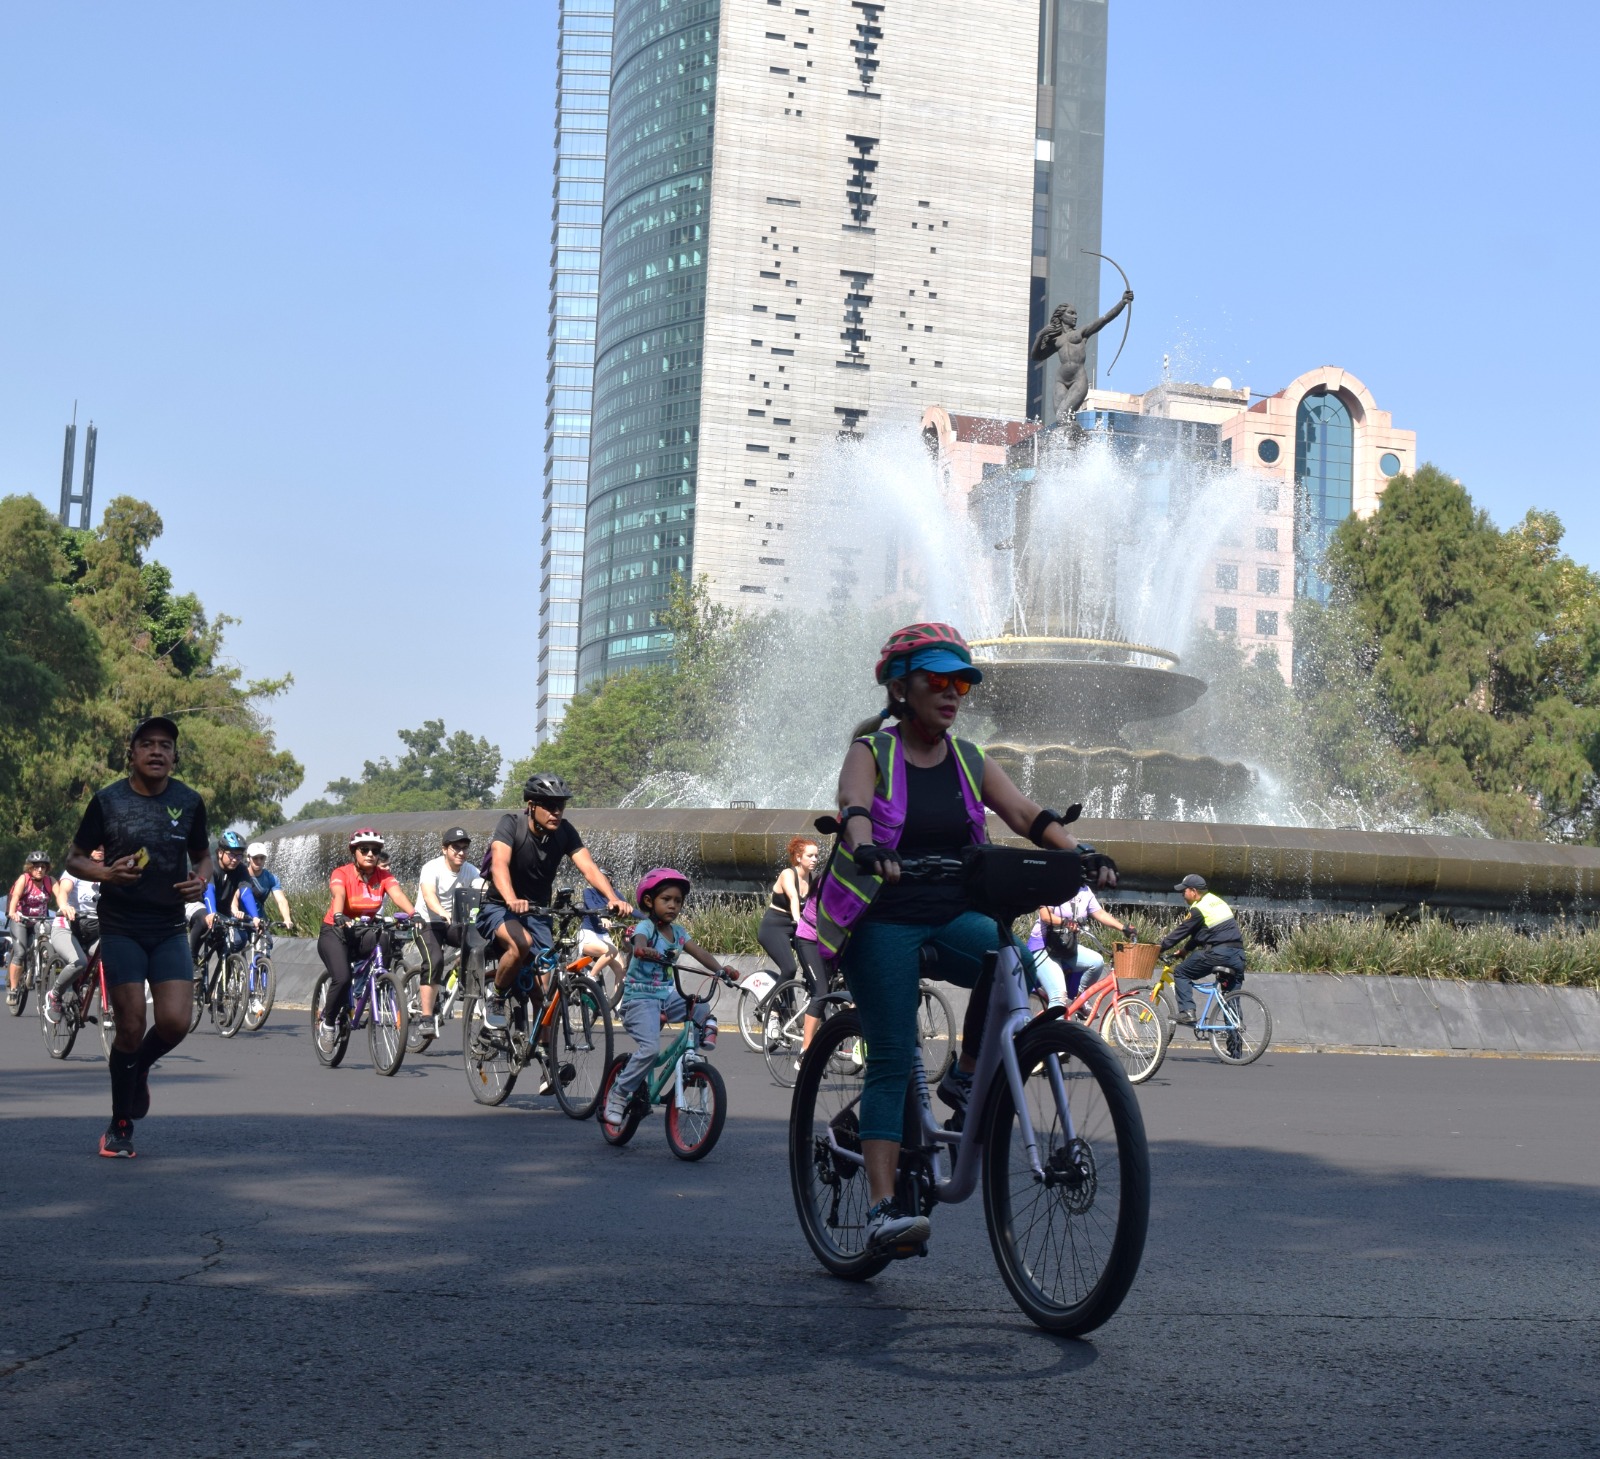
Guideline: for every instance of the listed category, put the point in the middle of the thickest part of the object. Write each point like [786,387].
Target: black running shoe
[139,1100]
[117,1142]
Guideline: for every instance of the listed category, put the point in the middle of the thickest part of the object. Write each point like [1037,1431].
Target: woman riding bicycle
[914,790]
[359,888]
[75,932]
[781,921]
[33,895]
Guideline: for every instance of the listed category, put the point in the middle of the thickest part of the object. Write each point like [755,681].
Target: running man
[157,857]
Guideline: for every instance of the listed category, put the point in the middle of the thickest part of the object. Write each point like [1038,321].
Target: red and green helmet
[936,647]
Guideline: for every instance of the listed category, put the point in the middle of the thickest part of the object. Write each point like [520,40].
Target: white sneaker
[888,1230]
[616,1107]
[494,1011]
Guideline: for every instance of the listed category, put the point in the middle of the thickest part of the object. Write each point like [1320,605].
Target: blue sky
[292,259]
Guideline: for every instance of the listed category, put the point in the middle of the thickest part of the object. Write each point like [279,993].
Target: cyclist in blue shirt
[264,884]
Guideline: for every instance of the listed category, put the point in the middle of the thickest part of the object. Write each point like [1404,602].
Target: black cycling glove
[874,859]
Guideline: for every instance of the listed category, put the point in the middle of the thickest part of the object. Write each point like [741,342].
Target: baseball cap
[454,834]
[1191,883]
[155,721]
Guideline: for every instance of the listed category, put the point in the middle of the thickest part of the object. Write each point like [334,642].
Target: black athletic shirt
[534,859]
[170,827]
[936,825]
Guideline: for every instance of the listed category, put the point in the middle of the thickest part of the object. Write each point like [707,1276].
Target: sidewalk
[1318,1012]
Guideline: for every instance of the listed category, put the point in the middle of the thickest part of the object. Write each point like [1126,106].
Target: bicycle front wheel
[783,1029]
[695,1126]
[579,1046]
[1137,1035]
[263,989]
[491,1069]
[826,1175]
[200,975]
[61,1032]
[233,994]
[749,1014]
[1249,1029]
[386,1033]
[108,1022]
[936,1032]
[1068,1245]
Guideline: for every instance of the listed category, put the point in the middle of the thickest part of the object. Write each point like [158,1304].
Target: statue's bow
[1127,321]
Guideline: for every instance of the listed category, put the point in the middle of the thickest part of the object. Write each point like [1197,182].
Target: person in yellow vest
[1216,945]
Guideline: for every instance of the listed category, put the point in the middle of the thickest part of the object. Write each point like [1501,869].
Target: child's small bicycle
[682,1080]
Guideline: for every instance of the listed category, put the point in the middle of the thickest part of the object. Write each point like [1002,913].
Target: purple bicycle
[374,991]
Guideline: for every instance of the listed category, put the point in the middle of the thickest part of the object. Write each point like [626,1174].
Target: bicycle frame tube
[668,1067]
[1008,1016]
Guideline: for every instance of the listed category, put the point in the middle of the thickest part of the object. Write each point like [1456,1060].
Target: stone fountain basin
[1045,701]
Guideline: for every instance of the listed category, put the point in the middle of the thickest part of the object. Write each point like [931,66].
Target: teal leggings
[882,966]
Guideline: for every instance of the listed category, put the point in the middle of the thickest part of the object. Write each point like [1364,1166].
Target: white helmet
[257,848]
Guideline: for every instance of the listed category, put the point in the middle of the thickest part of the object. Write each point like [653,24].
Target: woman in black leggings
[782,917]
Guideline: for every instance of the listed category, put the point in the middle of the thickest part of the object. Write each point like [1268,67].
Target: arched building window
[1324,460]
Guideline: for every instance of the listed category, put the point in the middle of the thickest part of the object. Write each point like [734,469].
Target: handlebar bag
[1006,881]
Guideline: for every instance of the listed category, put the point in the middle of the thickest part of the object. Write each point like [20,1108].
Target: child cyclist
[650,996]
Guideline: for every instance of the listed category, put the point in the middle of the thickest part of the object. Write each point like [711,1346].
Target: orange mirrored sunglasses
[940,682]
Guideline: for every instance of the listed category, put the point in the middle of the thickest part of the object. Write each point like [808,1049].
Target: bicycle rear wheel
[1137,1035]
[262,990]
[416,1040]
[783,1028]
[62,1032]
[1068,1247]
[830,1192]
[233,994]
[579,1046]
[332,1053]
[936,1032]
[749,1016]
[386,1032]
[695,1126]
[633,1114]
[1249,1032]
[491,1069]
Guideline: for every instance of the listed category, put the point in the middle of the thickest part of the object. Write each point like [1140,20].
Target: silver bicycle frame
[1008,1015]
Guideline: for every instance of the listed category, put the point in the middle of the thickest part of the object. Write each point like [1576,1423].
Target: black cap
[454,834]
[155,721]
[1191,883]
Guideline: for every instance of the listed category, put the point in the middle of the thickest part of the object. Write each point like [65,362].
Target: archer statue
[1062,338]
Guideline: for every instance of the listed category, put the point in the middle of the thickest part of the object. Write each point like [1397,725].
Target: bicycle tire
[263,990]
[749,1019]
[200,979]
[329,1058]
[1138,1035]
[233,994]
[632,1116]
[693,1131]
[107,1019]
[580,1039]
[63,1033]
[831,1198]
[936,1031]
[491,1070]
[386,1026]
[783,1028]
[1249,1041]
[416,1041]
[1070,1276]
[27,979]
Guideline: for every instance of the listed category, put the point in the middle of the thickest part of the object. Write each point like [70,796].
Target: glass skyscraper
[648,357]
[583,81]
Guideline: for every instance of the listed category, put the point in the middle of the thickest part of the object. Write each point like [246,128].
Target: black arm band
[1044,818]
[850,812]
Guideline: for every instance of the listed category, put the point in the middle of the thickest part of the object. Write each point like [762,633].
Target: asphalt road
[1348,1255]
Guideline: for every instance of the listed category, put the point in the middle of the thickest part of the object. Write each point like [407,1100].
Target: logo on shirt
[174,812]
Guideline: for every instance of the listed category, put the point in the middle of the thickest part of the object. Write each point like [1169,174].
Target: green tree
[1485,649]
[92,638]
[437,772]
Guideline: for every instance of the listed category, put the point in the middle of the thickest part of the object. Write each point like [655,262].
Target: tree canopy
[92,639]
[438,772]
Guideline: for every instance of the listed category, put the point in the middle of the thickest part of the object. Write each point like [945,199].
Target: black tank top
[780,903]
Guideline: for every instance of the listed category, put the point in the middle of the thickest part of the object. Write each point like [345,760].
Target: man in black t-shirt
[153,829]
[524,856]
